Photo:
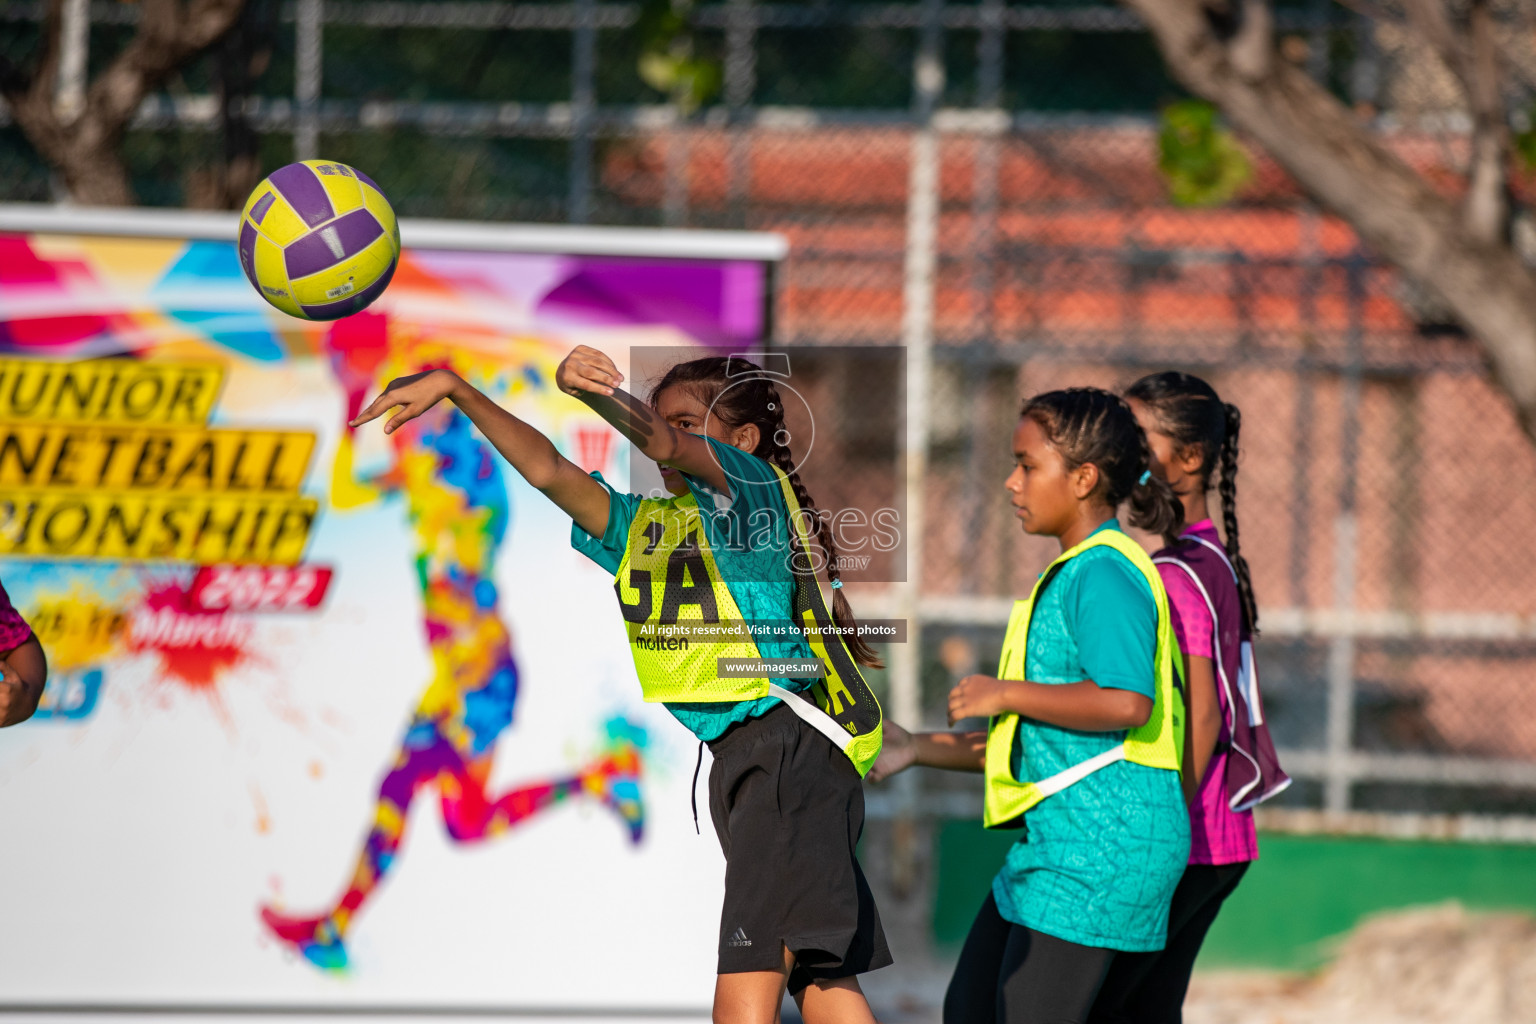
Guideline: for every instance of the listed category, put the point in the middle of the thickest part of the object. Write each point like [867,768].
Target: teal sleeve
[608,551]
[1113,618]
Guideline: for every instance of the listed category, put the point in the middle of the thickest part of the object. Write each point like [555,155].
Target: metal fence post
[679,146]
[674,203]
[1341,649]
[308,32]
[917,337]
[740,82]
[583,103]
[984,204]
[1301,430]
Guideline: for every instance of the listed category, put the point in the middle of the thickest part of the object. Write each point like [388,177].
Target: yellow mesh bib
[1158,744]
[671,594]
[668,578]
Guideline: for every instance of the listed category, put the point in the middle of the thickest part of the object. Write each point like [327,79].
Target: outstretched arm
[1085,706]
[956,751]
[592,377]
[528,451]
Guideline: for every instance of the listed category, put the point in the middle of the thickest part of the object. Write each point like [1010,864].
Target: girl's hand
[898,752]
[414,395]
[976,696]
[587,369]
[13,695]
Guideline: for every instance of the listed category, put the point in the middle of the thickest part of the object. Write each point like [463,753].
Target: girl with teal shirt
[1093,695]
[740,537]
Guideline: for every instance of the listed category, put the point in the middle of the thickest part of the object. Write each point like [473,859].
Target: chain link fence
[1384,482]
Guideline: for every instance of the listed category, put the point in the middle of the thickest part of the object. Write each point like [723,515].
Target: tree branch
[1253,47]
[1431,22]
[46,75]
[85,151]
[1487,205]
[1348,170]
[167,36]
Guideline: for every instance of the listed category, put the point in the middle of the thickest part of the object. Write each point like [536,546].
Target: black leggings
[1149,988]
[1009,974]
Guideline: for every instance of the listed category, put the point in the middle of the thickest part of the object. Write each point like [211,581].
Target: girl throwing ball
[704,578]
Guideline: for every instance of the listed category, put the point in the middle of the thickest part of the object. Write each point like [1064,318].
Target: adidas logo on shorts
[739,938]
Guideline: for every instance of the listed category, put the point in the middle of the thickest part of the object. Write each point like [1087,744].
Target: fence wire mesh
[1383,495]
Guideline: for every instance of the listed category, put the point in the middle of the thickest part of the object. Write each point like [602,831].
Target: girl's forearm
[1085,706]
[655,437]
[955,751]
[524,447]
[535,457]
[1203,715]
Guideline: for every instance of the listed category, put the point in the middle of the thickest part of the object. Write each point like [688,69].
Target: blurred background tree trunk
[84,144]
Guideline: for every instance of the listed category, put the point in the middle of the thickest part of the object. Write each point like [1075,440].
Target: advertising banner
[336,719]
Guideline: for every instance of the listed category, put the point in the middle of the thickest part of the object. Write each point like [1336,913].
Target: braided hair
[739,393]
[1091,425]
[1190,412]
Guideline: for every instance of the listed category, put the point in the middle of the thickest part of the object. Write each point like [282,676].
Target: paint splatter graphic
[196,648]
[77,628]
[459,512]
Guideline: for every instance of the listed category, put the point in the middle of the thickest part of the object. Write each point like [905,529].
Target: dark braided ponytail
[1228,494]
[1190,412]
[1091,425]
[738,392]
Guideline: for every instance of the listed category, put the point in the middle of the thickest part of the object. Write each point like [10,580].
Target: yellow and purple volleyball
[319,240]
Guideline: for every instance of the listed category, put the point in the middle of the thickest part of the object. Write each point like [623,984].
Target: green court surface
[1303,890]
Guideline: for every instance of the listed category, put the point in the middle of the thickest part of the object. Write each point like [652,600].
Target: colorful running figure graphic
[458,507]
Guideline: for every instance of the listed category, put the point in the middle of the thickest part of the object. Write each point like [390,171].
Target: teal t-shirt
[1100,859]
[748,533]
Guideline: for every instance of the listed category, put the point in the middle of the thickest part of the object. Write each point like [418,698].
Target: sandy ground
[1430,965]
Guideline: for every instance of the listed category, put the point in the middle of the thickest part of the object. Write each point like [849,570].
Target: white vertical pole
[306,79]
[917,337]
[74,49]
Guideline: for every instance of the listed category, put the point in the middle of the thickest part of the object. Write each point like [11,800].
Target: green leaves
[667,60]
[1202,162]
[1525,141]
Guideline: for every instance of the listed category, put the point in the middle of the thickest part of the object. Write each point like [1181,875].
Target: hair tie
[1146,475]
[837,584]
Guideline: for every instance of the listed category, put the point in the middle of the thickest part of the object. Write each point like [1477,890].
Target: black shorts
[788,808]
